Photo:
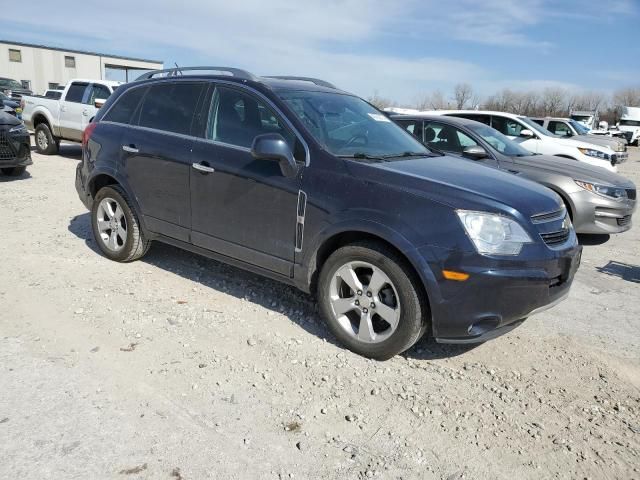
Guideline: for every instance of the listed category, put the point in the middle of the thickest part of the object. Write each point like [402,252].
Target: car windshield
[580,128]
[537,128]
[347,126]
[630,123]
[500,142]
[10,84]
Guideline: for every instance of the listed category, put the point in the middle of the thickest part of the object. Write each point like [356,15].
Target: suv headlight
[19,129]
[493,234]
[617,193]
[591,152]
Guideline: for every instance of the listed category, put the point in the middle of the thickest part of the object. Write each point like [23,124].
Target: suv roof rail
[317,81]
[177,71]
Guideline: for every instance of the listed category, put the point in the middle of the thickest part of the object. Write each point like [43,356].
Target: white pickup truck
[66,118]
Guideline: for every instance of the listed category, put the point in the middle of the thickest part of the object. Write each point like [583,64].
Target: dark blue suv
[294,179]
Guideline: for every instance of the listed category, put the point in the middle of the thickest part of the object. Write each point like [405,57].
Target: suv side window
[98,91]
[414,127]
[507,126]
[559,128]
[75,93]
[486,119]
[125,106]
[170,107]
[236,118]
[446,138]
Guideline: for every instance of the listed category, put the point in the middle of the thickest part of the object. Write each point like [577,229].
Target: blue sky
[402,49]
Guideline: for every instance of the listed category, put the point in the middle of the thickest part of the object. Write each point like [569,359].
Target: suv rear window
[122,111]
[171,106]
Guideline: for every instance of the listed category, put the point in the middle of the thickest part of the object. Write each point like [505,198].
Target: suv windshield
[630,123]
[500,142]
[537,128]
[579,127]
[347,126]
[8,83]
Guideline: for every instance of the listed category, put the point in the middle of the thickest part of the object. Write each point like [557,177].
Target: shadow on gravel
[71,151]
[591,240]
[6,178]
[630,273]
[299,307]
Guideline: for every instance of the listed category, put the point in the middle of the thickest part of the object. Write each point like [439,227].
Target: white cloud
[340,40]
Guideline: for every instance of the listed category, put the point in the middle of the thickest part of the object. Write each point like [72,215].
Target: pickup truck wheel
[14,171]
[46,143]
[115,226]
[371,300]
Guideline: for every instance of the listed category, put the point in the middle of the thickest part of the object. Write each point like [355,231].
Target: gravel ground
[179,367]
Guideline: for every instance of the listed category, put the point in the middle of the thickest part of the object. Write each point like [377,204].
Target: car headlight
[19,129]
[591,152]
[493,234]
[617,193]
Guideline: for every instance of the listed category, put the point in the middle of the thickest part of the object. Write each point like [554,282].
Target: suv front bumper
[15,149]
[497,298]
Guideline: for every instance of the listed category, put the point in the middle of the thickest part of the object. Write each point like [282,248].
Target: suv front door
[242,207]
[512,128]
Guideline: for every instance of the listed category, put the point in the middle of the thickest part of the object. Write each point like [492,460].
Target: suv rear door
[242,207]
[156,155]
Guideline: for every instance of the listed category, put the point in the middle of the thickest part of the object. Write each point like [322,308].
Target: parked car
[588,118]
[537,139]
[13,89]
[9,106]
[630,124]
[567,127]
[312,186]
[15,146]
[598,201]
[66,118]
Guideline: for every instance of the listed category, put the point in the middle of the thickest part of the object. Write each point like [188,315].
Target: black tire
[46,143]
[414,312]
[14,171]
[136,245]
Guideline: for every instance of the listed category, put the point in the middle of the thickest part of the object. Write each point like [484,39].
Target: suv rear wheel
[371,300]
[115,226]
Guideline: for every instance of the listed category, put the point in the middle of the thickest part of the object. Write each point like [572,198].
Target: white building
[39,67]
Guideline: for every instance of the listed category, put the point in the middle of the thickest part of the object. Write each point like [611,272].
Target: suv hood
[616,145]
[463,184]
[571,168]
[7,119]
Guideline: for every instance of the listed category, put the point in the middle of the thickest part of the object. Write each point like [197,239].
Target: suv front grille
[7,151]
[549,217]
[555,238]
[631,193]
[624,221]
[628,136]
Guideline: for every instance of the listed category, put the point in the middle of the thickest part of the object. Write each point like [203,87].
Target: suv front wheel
[115,226]
[371,300]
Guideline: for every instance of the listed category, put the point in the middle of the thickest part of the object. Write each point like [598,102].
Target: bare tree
[462,93]
[553,100]
[627,97]
[380,102]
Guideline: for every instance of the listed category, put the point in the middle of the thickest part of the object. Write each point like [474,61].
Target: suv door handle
[130,148]
[85,113]
[203,167]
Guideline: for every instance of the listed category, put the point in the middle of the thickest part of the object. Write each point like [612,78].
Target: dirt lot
[179,367]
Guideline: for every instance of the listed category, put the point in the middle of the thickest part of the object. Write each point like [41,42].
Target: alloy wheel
[112,224]
[43,141]
[364,302]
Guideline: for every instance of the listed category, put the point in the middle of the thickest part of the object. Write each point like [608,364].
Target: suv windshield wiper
[362,156]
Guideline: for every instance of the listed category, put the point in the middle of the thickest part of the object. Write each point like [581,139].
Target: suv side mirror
[99,102]
[272,146]
[475,152]
[526,133]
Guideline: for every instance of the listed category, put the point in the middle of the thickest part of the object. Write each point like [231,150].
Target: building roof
[84,52]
